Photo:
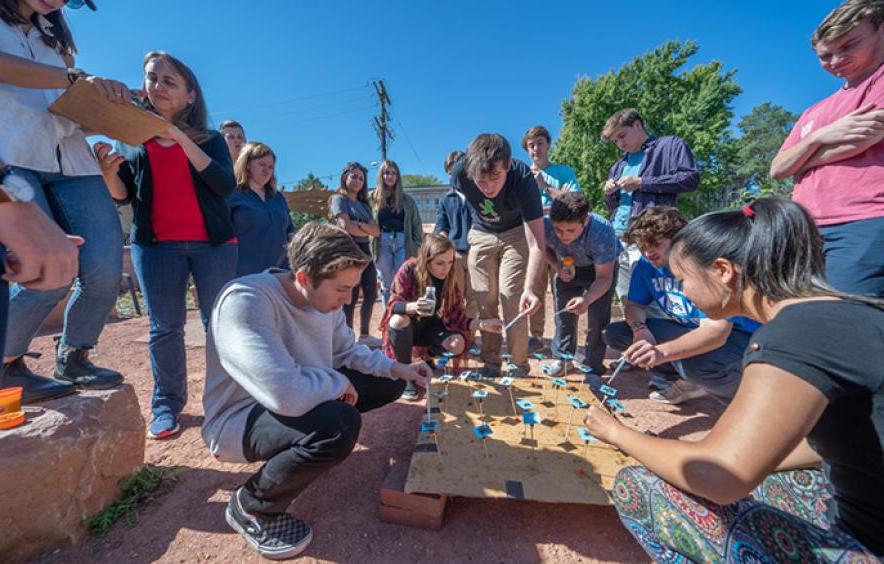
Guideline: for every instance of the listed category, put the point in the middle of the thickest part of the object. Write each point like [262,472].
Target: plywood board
[556,470]
[128,123]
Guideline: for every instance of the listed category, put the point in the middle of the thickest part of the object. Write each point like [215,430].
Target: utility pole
[381,123]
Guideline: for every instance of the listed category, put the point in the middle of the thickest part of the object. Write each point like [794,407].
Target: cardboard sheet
[556,470]
[128,123]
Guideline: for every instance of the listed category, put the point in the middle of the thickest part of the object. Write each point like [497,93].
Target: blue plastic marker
[559,382]
[448,354]
[481,394]
[475,351]
[608,391]
[546,368]
[482,432]
[530,419]
[510,367]
[539,356]
[615,405]
[567,356]
[445,378]
[429,425]
[525,405]
[585,435]
[577,403]
[582,367]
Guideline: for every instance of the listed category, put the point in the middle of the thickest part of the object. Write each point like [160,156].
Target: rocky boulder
[62,466]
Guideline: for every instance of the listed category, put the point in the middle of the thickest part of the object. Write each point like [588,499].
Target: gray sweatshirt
[261,348]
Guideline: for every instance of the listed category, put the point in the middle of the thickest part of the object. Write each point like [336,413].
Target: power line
[413,150]
[288,101]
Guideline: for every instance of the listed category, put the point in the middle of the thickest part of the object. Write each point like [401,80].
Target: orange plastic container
[10,400]
[10,420]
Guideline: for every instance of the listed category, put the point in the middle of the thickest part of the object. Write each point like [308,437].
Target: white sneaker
[370,341]
[679,391]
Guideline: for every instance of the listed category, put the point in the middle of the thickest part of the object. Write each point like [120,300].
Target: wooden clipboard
[83,104]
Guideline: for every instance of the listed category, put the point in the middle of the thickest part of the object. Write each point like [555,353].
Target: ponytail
[775,244]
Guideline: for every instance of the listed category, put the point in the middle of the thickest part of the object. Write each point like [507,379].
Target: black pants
[421,332]
[297,450]
[597,318]
[369,285]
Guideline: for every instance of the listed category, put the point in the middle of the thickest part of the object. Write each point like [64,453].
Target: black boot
[35,388]
[73,365]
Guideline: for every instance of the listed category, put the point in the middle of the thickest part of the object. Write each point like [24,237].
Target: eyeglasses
[355,176]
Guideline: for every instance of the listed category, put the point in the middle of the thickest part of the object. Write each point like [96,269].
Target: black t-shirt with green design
[518,202]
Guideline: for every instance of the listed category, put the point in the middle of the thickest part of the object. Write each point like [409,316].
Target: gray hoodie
[261,348]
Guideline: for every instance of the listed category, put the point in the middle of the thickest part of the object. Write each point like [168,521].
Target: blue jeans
[163,271]
[391,255]
[81,205]
[4,299]
[597,318]
[855,256]
[719,372]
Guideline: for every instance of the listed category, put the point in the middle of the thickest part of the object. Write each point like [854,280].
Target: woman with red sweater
[177,183]
[410,320]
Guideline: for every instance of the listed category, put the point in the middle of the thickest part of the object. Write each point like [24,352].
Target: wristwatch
[14,189]
[75,74]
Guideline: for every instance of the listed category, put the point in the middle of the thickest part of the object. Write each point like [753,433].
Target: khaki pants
[538,318]
[498,263]
[462,279]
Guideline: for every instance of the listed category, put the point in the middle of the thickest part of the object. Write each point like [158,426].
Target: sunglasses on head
[77,4]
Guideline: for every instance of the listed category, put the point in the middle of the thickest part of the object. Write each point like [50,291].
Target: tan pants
[462,279]
[498,264]
[538,318]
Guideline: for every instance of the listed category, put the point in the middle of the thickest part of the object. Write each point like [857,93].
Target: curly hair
[653,225]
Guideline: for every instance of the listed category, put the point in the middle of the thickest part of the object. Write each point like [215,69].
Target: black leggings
[369,285]
[297,450]
[421,332]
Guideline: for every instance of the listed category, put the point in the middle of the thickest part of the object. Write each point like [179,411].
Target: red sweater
[175,214]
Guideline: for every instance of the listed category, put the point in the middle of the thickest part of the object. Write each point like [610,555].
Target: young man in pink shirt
[835,151]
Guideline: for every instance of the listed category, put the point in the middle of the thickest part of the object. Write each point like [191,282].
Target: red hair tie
[748,211]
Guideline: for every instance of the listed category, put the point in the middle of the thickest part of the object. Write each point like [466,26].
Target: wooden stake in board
[83,104]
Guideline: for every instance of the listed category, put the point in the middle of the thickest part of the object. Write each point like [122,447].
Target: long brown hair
[362,196]
[381,193]
[251,151]
[58,37]
[194,118]
[431,247]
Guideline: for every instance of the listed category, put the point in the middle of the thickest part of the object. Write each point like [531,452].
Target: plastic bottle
[568,267]
[430,297]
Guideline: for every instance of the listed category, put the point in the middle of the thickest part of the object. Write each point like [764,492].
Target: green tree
[694,104]
[762,132]
[310,182]
[419,180]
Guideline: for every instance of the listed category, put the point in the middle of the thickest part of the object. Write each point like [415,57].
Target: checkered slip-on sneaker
[274,536]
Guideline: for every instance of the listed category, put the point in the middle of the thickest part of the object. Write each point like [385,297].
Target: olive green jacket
[414,228]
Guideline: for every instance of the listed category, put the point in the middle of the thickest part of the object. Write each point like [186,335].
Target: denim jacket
[668,169]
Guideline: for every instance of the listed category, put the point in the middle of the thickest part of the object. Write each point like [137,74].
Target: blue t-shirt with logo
[624,210]
[650,283]
[560,177]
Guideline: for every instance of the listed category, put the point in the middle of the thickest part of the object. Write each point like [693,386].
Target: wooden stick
[512,400]
[568,428]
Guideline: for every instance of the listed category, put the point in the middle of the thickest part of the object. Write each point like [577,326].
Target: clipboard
[83,104]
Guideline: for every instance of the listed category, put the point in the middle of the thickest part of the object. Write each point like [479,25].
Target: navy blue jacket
[667,170]
[263,229]
[453,216]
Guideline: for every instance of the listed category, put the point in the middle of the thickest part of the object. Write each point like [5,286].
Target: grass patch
[139,490]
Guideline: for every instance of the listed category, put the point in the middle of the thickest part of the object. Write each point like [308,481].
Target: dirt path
[187,524]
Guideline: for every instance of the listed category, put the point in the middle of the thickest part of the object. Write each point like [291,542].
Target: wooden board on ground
[555,470]
[128,123]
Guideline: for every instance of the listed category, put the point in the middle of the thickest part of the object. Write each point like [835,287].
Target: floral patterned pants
[783,520]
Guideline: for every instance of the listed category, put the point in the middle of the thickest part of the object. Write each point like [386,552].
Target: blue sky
[297,73]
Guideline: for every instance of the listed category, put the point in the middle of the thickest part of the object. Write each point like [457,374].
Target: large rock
[62,467]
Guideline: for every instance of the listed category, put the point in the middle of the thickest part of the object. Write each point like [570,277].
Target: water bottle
[430,298]
[568,267]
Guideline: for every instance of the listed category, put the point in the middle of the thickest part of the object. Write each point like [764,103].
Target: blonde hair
[251,151]
[381,193]
[431,247]
[846,17]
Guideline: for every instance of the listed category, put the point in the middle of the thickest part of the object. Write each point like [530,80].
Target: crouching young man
[689,354]
[286,382]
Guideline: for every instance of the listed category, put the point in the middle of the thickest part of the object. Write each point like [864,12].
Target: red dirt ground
[187,524]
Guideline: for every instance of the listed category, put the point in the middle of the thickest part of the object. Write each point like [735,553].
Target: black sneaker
[35,388]
[536,344]
[274,536]
[490,370]
[73,365]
